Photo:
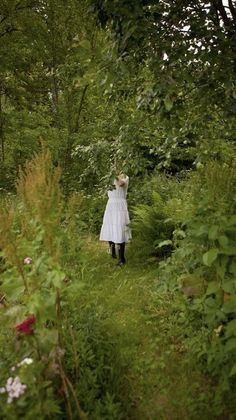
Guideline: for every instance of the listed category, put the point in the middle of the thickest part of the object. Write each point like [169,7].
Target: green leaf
[42,303]
[200,230]
[223,240]
[47,338]
[210,256]
[228,250]
[168,103]
[230,345]
[179,233]
[213,232]
[231,328]
[232,268]
[56,277]
[213,287]
[165,243]
[230,305]
[85,44]
[12,288]
[229,286]
[233,370]
[221,266]
[232,220]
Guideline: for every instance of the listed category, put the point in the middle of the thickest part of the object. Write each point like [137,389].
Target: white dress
[116,217]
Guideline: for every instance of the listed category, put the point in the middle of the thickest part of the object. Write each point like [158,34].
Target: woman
[115,229]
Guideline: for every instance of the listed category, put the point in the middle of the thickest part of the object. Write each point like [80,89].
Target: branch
[80,108]
[214,15]
[27,6]
[8,31]
[232,10]
[220,7]
[4,18]
[17,8]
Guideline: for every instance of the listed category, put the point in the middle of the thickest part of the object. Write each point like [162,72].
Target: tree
[189,49]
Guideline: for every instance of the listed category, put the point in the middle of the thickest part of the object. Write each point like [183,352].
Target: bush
[87,212]
[151,228]
[205,256]
[34,290]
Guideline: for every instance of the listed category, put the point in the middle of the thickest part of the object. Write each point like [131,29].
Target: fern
[151,227]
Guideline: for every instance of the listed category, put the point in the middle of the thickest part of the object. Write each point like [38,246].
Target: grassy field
[155,375]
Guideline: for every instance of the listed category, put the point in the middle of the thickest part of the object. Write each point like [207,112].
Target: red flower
[26,327]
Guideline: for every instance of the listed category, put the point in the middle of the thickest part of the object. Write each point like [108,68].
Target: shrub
[34,291]
[205,255]
[151,228]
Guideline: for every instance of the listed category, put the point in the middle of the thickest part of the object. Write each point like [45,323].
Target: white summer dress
[116,216]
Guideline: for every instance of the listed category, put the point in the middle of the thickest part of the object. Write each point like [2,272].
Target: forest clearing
[117,110]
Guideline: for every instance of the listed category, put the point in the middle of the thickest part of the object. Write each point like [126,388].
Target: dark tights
[121,251]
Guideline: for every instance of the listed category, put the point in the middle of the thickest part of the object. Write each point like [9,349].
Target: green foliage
[138,342]
[87,213]
[99,370]
[152,230]
[34,283]
[110,86]
[155,220]
[203,264]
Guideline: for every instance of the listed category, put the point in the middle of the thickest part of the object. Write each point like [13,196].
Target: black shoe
[121,263]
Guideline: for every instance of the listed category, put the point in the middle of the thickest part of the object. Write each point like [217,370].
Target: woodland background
[89,88]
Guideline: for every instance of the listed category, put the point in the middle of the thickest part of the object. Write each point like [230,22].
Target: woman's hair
[121,179]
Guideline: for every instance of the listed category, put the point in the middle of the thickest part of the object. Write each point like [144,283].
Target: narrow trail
[163,382]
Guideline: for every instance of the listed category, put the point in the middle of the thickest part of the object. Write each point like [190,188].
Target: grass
[160,378]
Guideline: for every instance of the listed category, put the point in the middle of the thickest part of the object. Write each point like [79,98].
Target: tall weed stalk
[34,289]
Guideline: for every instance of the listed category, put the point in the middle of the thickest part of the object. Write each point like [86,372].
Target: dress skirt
[115,221]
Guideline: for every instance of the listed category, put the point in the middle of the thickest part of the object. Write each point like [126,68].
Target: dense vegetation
[89,88]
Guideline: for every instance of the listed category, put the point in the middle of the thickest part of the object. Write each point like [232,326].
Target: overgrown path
[161,379]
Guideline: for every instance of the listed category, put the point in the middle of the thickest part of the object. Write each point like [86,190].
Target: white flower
[28,260]
[2,390]
[14,388]
[26,361]
[218,330]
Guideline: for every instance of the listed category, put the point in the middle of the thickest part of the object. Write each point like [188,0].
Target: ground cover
[160,377]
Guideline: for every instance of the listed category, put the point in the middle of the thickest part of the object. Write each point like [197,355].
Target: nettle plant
[203,265]
[209,252]
[219,301]
[33,287]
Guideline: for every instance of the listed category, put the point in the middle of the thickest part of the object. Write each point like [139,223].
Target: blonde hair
[121,180]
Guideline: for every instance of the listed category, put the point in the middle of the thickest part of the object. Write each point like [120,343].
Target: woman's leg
[113,249]
[122,260]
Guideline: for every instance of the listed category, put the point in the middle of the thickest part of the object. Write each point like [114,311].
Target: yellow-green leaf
[210,256]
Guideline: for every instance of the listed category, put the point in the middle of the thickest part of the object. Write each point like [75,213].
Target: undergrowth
[84,338]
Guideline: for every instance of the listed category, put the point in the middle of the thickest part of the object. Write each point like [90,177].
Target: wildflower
[26,361]
[218,330]
[2,390]
[14,388]
[28,260]
[26,326]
